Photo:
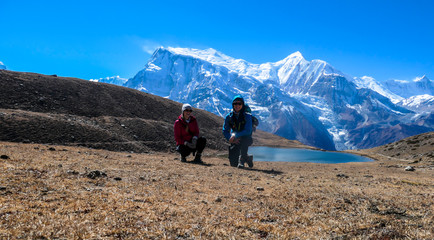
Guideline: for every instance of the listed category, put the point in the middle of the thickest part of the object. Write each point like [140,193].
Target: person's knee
[183,150]
[201,141]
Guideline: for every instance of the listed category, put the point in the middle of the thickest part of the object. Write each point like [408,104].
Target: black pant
[185,151]
[235,150]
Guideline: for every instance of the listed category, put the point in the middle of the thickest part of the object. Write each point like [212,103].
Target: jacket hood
[238,97]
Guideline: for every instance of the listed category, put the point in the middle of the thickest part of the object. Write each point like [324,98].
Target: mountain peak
[424,78]
[2,66]
[206,54]
[296,55]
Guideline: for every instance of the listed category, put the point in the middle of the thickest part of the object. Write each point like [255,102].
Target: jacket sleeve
[227,128]
[195,129]
[247,131]
[177,131]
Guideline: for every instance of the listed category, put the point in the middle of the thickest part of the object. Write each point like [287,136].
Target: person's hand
[234,140]
[194,140]
[190,145]
[231,140]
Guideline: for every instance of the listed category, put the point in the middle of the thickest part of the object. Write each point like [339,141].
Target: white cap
[186,107]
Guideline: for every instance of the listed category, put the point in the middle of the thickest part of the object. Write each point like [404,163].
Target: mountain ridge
[319,105]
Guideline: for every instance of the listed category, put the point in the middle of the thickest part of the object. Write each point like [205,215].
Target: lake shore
[49,191]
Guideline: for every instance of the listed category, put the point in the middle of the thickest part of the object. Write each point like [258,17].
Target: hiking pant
[235,150]
[185,151]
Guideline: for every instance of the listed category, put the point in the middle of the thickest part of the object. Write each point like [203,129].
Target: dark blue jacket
[240,126]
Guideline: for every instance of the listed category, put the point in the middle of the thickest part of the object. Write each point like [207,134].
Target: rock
[341,175]
[52,149]
[96,174]
[259,188]
[410,168]
[2,188]
[117,178]
[4,157]
[218,199]
[73,172]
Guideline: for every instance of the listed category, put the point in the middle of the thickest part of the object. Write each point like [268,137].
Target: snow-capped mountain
[298,99]
[419,103]
[406,89]
[2,66]
[116,80]
[415,95]
[371,83]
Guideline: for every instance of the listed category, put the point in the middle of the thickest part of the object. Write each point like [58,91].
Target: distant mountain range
[116,80]
[309,101]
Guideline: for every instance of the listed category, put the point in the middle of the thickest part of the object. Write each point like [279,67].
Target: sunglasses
[188,110]
[237,103]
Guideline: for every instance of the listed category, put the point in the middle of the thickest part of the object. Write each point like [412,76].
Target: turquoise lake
[268,154]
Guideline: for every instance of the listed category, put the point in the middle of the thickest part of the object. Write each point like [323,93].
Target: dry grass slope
[51,192]
[416,150]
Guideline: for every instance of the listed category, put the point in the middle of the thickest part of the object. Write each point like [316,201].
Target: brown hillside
[418,150]
[58,110]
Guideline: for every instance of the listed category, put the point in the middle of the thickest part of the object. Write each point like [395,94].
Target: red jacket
[185,131]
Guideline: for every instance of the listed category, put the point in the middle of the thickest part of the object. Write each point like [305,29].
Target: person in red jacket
[187,135]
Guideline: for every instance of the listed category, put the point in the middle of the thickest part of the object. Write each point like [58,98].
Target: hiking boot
[241,162]
[198,158]
[183,159]
[249,161]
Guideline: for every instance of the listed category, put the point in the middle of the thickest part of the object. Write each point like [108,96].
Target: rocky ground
[52,192]
[417,150]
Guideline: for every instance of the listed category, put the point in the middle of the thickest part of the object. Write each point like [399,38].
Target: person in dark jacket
[237,129]
[187,135]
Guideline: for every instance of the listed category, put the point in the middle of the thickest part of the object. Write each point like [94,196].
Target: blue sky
[94,39]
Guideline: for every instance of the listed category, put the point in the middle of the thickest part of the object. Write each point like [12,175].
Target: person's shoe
[240,165]
[198,158]
[250,161]
[183,159]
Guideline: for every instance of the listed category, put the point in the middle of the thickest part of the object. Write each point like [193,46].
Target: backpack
[255,121]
